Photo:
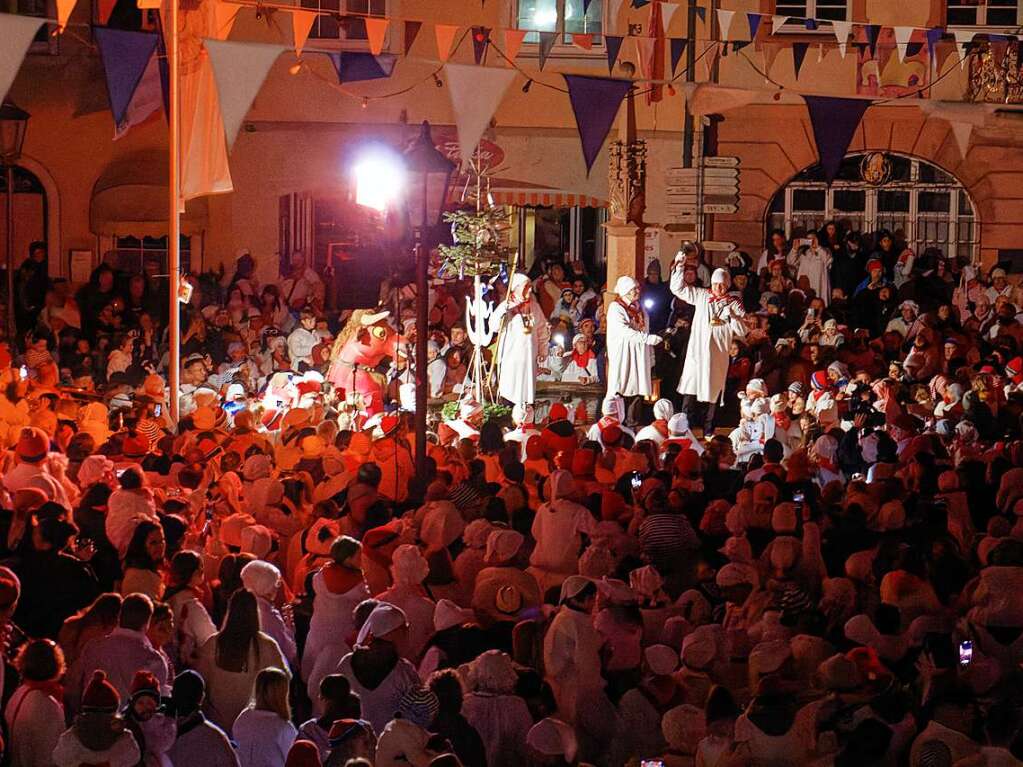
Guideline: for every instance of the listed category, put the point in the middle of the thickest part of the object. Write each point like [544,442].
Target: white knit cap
[552,737]
[678,424]
[663,409]
[261,578]
[384,619]
[625,284]
[720,275]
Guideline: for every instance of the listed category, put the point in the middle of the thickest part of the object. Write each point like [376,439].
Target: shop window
[823,11]
[545,15]
[983,13]
[336,24]
[918,201]
[139,254]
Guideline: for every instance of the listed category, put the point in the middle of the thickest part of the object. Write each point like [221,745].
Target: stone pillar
[625,228]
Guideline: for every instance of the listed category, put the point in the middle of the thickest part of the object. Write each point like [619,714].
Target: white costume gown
[629,357]
[519,350]
[706,366]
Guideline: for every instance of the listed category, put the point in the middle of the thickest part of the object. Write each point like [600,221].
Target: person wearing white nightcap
[717,321]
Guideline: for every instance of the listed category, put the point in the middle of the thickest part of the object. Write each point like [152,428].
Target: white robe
[518,353]
[628,356]
[814,265]
[706,366]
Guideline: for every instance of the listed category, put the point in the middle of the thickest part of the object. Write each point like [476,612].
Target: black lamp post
[428,177]
[13,122]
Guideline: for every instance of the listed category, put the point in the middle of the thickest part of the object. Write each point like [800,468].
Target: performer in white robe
[718,319]
[814,263]
[524,341]
[629,342]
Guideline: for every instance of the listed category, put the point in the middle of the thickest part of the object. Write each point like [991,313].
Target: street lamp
[427,176]
[13,122]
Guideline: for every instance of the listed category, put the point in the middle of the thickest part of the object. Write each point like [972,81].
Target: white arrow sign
[720,208]
[721,162]
[728,247]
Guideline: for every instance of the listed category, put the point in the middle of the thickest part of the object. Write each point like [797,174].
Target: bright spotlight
[648,303]
[559,339]
[545,17]
[379,180]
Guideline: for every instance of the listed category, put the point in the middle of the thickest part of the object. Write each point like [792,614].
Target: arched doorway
[882,190]
[31,213]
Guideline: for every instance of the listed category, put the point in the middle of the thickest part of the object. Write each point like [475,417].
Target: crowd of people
[829,579]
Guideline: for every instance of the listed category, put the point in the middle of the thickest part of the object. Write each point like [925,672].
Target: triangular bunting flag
[725,23]
[613,44]
[754,24]
[872,31]
[301,24]
[810,24]
[64,9]
[941,54]
[103,10]
[913,49]
[667,11]
[798,54]
[357,66]
[644,54]
[476,92]
[480,41]
[777,22]
[224,15]
[595,103]
[376,31]
[445,34]
[842,29]
[962,133]
[678,47]
[125,56]
[738,45]
[147,100]
[411,33]
[702,13]
[584,41]
[640,3]
[902,36]
[964,41]
[933,36]
[547,40]
[513,42]
[586,7]
[834,122]
[239,70]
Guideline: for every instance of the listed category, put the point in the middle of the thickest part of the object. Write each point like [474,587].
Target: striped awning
[552,198]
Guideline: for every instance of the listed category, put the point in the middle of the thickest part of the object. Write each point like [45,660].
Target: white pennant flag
[239,70]
[777,22]
[725,23]
[17,33]
[962,133]
[902,37]
[842,30]
[963,38]
[476,92]
[667,11]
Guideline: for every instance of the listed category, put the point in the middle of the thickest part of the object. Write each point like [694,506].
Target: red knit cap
[303,753]
[33,445]
[583,463]
[610,434]
[534,448]
[100,696]
[135,446]
[145,683]
[688,461]
[558,412]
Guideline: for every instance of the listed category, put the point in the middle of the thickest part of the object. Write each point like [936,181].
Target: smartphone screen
[965,653]
[157,410]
